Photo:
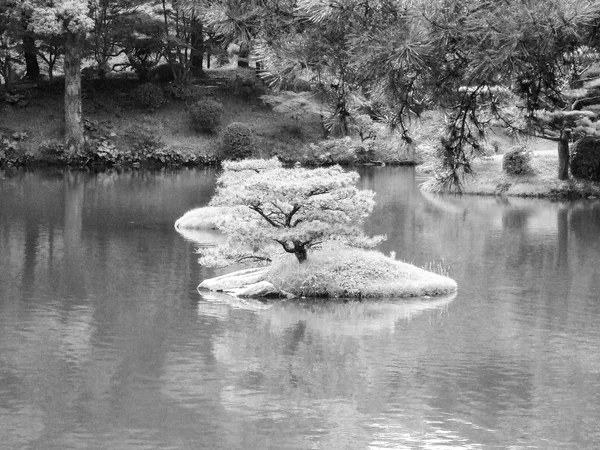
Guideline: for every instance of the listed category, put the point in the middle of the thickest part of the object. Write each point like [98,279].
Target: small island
[304,227]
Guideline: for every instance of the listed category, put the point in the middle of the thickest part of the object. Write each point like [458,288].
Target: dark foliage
[238,141]
[149,95]
[585,158]
[206,115]
[517,161]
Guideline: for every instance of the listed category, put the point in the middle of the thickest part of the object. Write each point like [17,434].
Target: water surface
[106,344]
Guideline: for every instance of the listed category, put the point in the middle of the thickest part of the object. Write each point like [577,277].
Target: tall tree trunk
[563,155]
[31,62]
[197,39]
[7,74]
[73,117]
[244,55]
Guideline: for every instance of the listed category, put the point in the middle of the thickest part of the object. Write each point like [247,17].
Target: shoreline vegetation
[335,271]
[130,125]
[123,134]
[540,182]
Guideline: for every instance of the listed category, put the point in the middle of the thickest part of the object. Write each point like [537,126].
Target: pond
[105,342]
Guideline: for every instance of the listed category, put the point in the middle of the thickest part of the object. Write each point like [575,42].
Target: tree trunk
[7,74]
[51,71]
[197,39]
[244,55]
[300,252]
[73,117]
[563,155]
[31,62]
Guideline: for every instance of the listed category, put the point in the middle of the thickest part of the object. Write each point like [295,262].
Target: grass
[542,181]
[350,272]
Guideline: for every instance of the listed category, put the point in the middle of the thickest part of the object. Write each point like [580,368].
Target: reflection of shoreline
[330,317]
[441,202]
[537,216]
[219,305]
[352,318]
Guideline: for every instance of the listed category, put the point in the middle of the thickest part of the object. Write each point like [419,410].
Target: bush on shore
[585,158]
[206,115]
[517,161]
[238,142]
[149,95]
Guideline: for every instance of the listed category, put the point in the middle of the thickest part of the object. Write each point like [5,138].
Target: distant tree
[68,19]
[296,208]
[486,51]
[112,28]
[10,37]
[236,22]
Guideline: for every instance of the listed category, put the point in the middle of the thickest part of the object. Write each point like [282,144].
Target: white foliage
[295,208]
[64,16]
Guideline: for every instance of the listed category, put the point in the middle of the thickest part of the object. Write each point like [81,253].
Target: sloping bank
[542,181]
[330,272]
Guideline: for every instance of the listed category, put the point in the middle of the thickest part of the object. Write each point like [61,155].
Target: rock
[19,136]
[234,280]
[262,289]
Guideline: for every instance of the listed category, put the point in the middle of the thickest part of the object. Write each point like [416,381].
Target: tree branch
[265,216]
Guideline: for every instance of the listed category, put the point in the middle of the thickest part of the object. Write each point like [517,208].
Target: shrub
[149,95]
[517,161]
[246,84]
[330,151]
[9,151]
[52,151]
[585,158]
[206,115]
[237,141]
[101,151]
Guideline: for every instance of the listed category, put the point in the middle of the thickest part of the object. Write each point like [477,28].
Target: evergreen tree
[294,208]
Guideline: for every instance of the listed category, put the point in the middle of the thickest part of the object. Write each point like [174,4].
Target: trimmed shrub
[585,158]
[330,151]
[238,142]
[149,95]
[206,115]
[517,161]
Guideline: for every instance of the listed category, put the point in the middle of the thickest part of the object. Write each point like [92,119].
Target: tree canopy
[510,63]
[294,208]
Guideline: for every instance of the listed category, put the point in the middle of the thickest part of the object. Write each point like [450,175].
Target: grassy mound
[541,181]
[349,272]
